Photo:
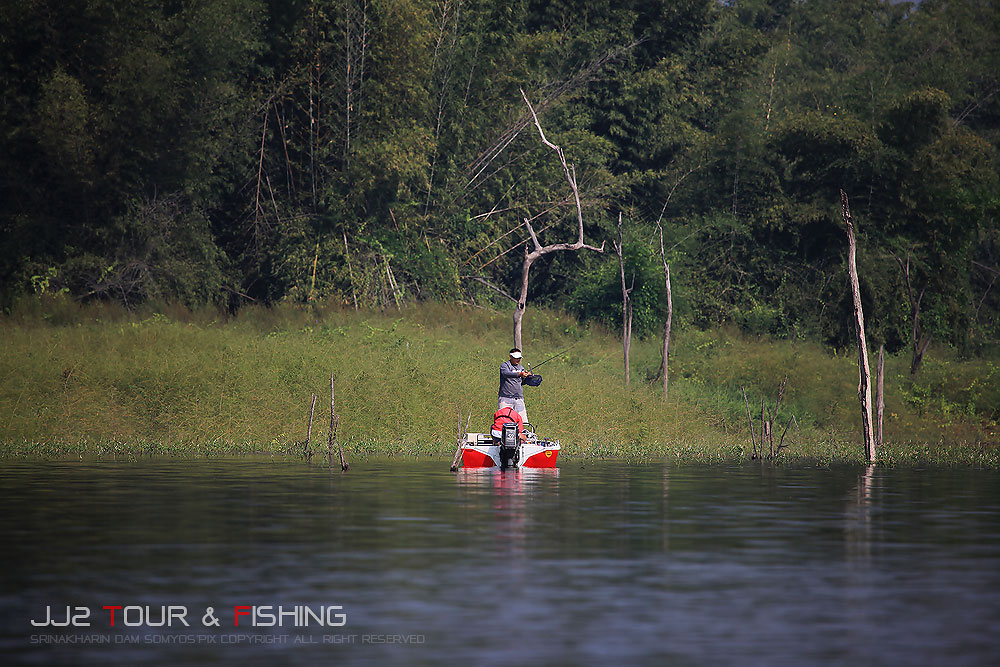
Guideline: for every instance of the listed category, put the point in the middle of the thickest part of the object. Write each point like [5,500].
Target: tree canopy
[378,151]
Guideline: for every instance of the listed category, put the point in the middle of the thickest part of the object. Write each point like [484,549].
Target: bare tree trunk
[626,302]
[879,396]
[539,250]
[522,300]
[664,370]
[670,312]
[864,381]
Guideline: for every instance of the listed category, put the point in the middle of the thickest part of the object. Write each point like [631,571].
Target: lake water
[586,564]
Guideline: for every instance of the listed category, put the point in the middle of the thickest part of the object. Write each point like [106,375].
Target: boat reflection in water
[515,481]
[519,497]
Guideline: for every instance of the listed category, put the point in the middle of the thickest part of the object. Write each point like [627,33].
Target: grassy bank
[98,381]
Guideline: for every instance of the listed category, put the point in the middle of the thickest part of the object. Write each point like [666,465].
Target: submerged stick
[750,417]
[773,416]
[334,423]
[312,410]
[458,451]
[763,430]
[781,443]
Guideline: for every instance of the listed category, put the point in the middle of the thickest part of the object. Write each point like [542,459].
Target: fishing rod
[553,356]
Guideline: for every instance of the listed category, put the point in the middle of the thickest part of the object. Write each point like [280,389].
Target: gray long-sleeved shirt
[510,380]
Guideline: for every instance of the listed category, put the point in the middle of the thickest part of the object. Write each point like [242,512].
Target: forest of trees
[375,152]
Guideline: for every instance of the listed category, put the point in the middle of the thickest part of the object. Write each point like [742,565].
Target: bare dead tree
[663,371]
[664,368]
[864,379]
[539,250]
[626,301]
[920,338]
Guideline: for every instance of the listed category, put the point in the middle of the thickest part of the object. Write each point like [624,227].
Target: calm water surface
[586,564]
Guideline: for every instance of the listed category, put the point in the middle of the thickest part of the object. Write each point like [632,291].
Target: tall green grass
[98,380]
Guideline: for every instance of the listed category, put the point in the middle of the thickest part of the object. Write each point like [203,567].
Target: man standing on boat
[511,392]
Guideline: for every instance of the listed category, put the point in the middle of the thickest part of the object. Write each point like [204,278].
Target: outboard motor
[509,443]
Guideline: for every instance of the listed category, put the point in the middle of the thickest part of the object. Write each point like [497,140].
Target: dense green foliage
[378,152]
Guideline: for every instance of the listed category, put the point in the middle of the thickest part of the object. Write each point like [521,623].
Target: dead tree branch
[540,250]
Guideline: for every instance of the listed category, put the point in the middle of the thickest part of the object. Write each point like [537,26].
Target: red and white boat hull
[480,452]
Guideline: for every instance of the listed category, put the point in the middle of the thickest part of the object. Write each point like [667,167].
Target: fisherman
[511,392]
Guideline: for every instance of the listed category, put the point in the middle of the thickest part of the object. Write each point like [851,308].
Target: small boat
[479,451]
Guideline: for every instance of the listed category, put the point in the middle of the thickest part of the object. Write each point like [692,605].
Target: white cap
[516,355]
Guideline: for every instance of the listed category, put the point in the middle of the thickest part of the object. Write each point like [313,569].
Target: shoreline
[196,387]
[847,454]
